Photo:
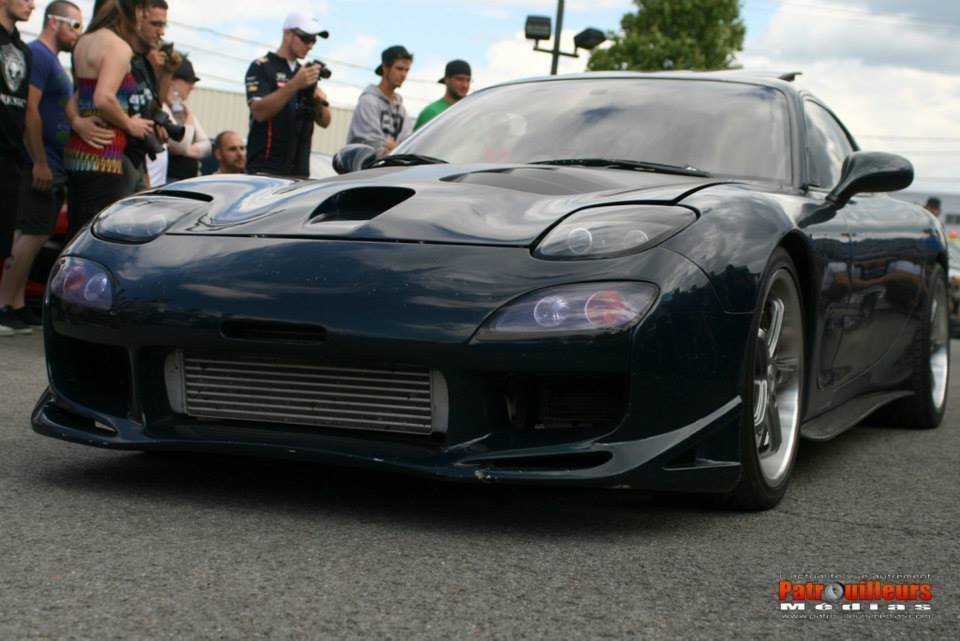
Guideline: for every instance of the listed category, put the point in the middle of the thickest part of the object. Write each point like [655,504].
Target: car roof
[782,80]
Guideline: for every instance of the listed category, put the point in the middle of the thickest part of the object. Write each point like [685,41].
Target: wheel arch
[795,244]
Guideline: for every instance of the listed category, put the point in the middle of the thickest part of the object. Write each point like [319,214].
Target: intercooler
[383,398]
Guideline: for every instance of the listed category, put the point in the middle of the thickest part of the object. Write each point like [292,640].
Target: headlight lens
[590,308]
[142,218]
[82,282]
[602,232]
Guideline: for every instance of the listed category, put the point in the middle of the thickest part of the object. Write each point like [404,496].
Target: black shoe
[9,319]
[28,316]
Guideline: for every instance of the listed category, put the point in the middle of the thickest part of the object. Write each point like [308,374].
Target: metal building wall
[219,110]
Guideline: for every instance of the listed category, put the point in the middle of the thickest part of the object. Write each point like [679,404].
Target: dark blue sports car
[620,280]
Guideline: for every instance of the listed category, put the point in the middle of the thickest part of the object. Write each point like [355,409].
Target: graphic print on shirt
[14,66]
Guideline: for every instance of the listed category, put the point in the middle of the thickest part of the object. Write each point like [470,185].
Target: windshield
[723,128]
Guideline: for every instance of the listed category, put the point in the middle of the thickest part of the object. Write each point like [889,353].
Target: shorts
[10,170]
[39,209]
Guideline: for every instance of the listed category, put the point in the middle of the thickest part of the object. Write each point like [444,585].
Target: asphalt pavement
[104,545]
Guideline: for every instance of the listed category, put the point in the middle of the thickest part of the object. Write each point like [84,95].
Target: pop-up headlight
[141,219]
[82,282]
[589,308]
[604,232]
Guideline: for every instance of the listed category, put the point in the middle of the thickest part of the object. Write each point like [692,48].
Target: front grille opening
[571,401]
[375,397]
[256,330]
[89,374]
[361,203]
[558,462]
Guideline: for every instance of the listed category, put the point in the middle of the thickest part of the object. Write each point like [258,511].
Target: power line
[942,139]
[256,43]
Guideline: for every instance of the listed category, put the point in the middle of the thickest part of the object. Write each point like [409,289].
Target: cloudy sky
[889,68]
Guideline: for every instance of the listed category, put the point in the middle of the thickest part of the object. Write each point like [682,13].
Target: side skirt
[838,420]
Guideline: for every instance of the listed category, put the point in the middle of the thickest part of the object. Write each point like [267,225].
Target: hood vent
[361,203]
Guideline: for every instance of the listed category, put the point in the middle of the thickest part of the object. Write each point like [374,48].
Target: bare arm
[195,143]
[323,115]
[113,68]
[33,140]
[91,130]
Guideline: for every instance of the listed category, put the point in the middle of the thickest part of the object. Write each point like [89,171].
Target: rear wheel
[772,389]
[930,356]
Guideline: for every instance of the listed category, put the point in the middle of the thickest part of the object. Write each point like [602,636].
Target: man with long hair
[105,89]
[15,59]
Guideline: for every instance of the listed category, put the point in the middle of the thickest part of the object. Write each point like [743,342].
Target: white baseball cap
[305,24]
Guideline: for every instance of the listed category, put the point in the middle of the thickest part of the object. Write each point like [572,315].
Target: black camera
[324,69]
[174,130]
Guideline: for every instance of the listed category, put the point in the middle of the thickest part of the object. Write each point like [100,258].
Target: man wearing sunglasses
[42,190]
[285,102]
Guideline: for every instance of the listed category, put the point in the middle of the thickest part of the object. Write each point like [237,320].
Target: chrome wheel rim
[939,344]
[777,374]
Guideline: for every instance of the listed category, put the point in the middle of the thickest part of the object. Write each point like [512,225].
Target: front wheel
[773,388]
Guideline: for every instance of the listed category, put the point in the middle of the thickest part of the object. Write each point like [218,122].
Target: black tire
[756,491]
[926,408]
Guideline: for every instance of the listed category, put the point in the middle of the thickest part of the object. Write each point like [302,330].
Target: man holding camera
[285,102]
[152,69]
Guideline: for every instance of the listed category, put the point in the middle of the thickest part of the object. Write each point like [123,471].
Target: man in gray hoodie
[380,119]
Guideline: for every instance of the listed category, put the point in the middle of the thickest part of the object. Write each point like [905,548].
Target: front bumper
[658,462]
[678,428]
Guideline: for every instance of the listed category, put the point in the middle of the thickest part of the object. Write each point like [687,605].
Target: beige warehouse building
[219,110]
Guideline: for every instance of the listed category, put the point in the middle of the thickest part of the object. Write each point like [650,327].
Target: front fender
[732,241]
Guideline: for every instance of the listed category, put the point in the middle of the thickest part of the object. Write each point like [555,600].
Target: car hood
[509,205]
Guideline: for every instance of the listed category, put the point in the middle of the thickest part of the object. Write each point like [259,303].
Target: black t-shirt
[280,146]
[142,102]
[14,85]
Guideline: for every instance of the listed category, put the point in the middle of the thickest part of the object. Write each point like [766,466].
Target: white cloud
[885,77]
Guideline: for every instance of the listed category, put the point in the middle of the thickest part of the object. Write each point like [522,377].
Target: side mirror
[871,171]
[354,157]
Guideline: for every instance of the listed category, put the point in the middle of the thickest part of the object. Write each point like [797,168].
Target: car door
[829,232]
[886,263]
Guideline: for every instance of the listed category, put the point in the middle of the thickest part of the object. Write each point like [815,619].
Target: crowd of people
[121,122]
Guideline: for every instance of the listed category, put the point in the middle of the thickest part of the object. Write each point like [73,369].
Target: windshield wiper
[407,160]
[617,163]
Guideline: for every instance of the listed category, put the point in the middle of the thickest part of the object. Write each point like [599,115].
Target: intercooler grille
[380,398]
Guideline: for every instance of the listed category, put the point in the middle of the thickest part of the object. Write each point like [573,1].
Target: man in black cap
[186,153]
[380,119]
[285,102]
[457,79]
[933,206]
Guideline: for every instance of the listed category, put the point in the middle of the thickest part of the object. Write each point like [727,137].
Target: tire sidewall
[754,491]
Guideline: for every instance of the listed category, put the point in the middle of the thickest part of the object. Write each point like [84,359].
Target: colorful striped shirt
[78,156]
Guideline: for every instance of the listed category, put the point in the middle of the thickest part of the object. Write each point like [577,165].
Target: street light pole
[556,39]
[538,29]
